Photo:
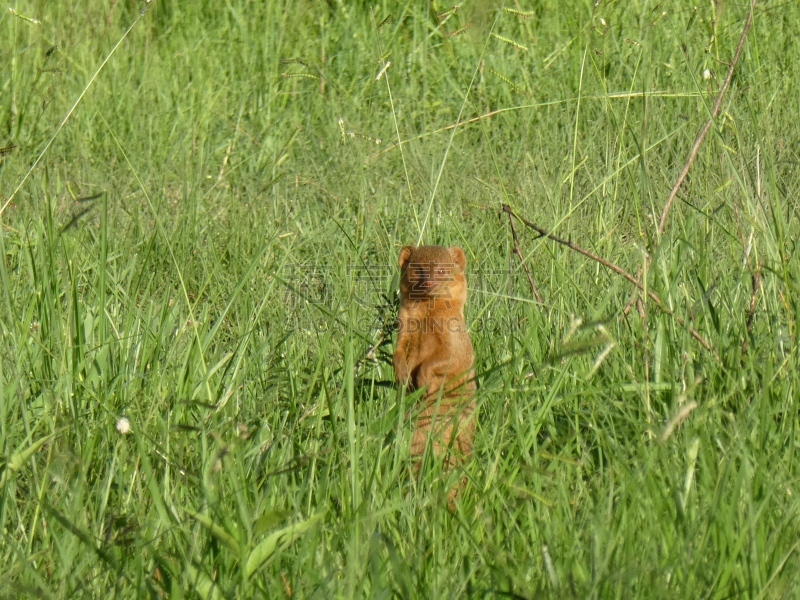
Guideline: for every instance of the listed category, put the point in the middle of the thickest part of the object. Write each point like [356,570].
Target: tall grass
[205,253]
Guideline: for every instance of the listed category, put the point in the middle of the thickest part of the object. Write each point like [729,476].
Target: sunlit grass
[207,251]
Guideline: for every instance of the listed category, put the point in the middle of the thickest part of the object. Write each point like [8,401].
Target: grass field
[204,248]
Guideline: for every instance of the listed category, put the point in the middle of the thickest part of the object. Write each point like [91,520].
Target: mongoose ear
[405,255]
[459,257]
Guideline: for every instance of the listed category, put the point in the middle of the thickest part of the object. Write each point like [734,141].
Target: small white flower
[123,426]
[707,74]
[602,21]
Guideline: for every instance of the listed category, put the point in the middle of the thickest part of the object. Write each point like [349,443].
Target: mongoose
[434,350]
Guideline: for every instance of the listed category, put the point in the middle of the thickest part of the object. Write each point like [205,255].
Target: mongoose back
[434,350]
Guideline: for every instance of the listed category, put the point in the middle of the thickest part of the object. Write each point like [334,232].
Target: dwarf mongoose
[434,351]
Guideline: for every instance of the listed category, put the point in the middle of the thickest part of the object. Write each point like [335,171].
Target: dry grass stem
[616,269]
[522,263]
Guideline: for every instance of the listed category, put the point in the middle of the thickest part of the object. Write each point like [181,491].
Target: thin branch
[701,136]
[572,246]
[707,127]
[612,267]
[518,252]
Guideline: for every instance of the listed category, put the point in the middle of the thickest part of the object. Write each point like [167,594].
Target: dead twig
[701,136]
[518,252]
[662,223]
[572,246]
[616,269]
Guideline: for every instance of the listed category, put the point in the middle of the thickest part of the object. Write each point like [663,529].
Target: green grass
[231,293]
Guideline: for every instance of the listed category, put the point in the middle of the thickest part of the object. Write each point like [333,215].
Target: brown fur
[434,350]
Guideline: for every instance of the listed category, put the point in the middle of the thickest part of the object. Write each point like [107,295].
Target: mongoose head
[433,272]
